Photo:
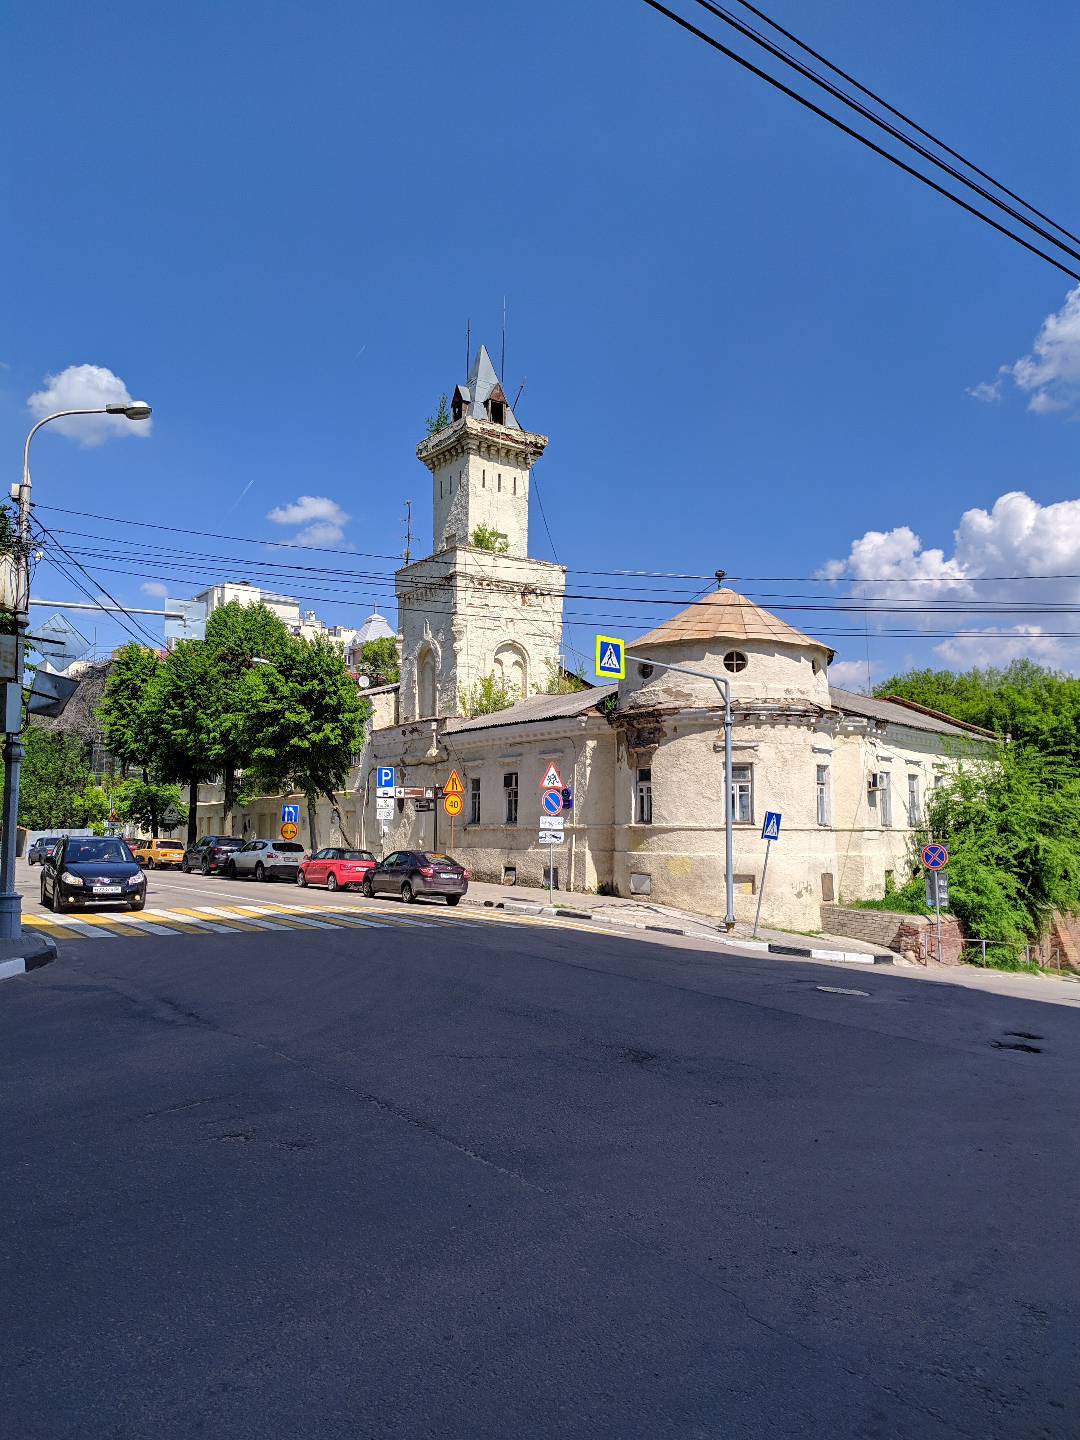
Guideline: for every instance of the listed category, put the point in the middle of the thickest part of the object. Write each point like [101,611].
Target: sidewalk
[19,956]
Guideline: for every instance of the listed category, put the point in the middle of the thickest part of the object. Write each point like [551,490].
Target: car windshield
[90,852]
[439,859]
[357,855]
[225,843]
[169,845]
[289,846]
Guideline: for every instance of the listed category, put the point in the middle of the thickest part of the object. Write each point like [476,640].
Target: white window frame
[885,802]
[643,797]
[824,795]
[742,787]
[474,800]
[914,801]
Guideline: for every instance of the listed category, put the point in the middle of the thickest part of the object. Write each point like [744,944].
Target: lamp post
[725,691]
[10,900]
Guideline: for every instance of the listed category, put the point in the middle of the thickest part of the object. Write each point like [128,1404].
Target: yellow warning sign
[289,831]
[452,804]
[453,786]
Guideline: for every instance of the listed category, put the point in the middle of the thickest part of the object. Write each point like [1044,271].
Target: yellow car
[159,854]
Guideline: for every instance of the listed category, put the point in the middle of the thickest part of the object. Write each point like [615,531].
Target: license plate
[106,889]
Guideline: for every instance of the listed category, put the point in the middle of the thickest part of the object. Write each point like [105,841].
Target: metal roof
[482,381]
[537,707]
[726,615]
[899,712]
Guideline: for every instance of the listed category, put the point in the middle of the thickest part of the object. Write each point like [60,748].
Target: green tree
[178,716]
[122,712]
[144,802]
[55,781]
[440,420]
[307,724]
[561,681]
[487,695]
[493,541]
[379,660]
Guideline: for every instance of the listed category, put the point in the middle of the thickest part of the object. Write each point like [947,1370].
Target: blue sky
[750,341]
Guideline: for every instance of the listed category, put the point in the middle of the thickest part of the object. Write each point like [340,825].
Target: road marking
[295,919]
[185,918]
[244,919]
[223,928]
[68,923]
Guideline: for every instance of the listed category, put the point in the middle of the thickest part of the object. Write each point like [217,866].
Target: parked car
[85,869]
[211,854]
[165,854]
[410,873]
[335,868]
[42,847]
[265,860]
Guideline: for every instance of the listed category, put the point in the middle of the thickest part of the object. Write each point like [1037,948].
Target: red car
[336,869]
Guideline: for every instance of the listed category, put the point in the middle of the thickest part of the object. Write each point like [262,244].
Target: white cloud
[1050,374]
[1017,536]
[154,588]
[851,674]
[86,387]
[322,520]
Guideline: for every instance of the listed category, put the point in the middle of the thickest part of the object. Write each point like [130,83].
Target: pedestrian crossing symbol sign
[610,657]
[771,828]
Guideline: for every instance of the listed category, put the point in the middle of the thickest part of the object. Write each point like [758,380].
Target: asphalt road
[501,1179]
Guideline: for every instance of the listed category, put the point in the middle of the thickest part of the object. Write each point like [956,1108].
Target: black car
[210,855]
[41,849]
[410,873]
[84,870]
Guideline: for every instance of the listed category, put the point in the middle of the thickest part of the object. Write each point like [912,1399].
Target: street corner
[31,952]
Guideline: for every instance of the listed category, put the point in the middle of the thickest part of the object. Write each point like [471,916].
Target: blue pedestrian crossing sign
[384,777]
[290,814]
[771,828]
[610,657]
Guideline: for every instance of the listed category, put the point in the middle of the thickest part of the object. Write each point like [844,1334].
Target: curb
[42,951]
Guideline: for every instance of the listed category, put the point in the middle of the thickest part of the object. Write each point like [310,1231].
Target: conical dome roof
[726,615]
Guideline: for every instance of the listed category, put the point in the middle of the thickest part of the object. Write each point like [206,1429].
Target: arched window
[426,695]
[512,667]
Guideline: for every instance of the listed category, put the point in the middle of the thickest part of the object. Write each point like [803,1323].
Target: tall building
[478,606]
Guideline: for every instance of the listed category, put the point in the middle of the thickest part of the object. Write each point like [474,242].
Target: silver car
[265,860]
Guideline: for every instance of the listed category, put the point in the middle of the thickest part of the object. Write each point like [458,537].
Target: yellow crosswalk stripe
[219,917]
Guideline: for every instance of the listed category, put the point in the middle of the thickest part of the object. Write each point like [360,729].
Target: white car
[265,860]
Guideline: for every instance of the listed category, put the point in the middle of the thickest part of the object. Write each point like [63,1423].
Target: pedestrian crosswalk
[249,919]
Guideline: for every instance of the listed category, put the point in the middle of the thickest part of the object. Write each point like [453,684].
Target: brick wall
[906,934]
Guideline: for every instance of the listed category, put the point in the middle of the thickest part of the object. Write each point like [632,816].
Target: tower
[472,609]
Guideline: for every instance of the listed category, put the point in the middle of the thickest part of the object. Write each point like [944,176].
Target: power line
[93,581]
[793,62]
[808,104]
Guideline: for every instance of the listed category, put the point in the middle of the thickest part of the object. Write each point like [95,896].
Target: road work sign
[454,786]
[771,828]
[290,815]
[290,830]
[935,857]
[610,657]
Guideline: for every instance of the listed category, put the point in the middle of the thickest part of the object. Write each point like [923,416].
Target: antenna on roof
[468,346]
[408,531]
[502,362]
[517,397]
[720,577]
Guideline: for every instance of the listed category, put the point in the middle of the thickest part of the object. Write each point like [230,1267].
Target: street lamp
[10,900]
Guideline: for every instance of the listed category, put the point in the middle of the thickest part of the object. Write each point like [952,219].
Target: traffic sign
[552,822]
[610,657]
[290,814]
[935,857]
[384,778]
[384,807]
[552,802]
[453,786]
[171,817]
[550,837]
[771,828]
[552,779]
[937,889]
[290,830]
[452,804]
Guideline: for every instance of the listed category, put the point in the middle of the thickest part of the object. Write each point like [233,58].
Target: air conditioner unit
[877,780]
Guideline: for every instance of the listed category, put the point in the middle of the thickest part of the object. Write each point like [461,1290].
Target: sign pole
[937,907]
[761,892]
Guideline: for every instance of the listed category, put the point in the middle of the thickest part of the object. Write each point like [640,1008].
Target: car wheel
[138,902]
[150,862]
[205,866]
[59,904]
[366,890]
[44,902]
[407,893]
[301,879]
[260,873]
[331,882]
[452,899]
[183,866]
[230,871]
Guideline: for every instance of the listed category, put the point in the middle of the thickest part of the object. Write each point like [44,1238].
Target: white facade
[287,609]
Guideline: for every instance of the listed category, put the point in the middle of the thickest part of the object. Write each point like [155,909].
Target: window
[474,801]
[823,807]
[886,799]
[735,661]
[500,484]
[643,814]
[742,794]
[515,484]
[914,810]
[510,795]
[441,489]
[483,479]
[498,412]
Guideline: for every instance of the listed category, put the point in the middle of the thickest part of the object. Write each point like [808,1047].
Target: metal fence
[989,952]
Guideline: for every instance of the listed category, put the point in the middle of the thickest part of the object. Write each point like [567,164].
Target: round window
[735,661]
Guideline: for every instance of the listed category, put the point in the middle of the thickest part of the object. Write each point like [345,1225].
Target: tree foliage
[440,420]
[487,695]
[484,537]
[380,661]
[144,802]
[561,681]
[57,789]
[122,711]
[177,715]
